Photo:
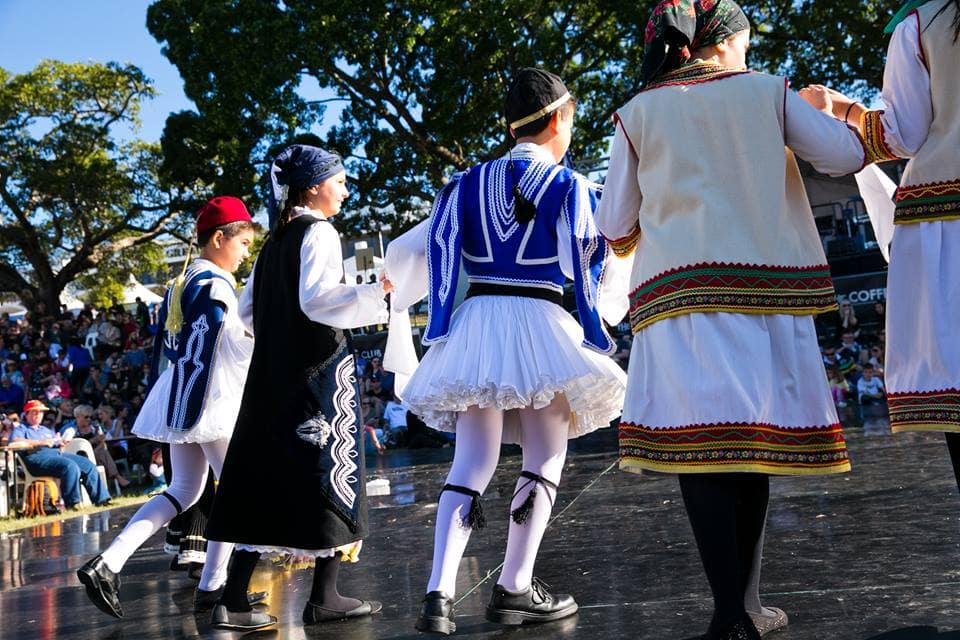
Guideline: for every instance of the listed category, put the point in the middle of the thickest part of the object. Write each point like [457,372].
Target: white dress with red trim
[725,371]
[923,283]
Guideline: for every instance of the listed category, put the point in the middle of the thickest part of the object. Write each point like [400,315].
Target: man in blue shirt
[48,460]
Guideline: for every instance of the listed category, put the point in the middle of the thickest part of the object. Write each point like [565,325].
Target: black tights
[953,446]
[238,581]
[324,592]
[727,512]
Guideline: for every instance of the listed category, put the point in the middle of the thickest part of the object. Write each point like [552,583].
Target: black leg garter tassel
[475,519]
[522,513]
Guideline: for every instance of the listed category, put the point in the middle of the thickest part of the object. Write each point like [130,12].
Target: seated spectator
[11,395]
[87,429]
[57,388]
[377,390]
[94,386]
[158,482]
[112,430]
[870,388]
[16,377]
[839,387]
[64,420]
[849,347]
[395,421]
[371,410]
[49,460]
[8,422]
[109,336]
[849,323]
[876,359]
[829,354]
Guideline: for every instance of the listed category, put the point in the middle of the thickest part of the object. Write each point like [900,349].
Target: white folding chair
[82,447]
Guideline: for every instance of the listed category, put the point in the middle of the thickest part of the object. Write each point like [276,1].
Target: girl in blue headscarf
[297,434]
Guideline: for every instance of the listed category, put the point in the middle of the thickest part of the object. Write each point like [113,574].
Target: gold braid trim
[874,145]
[626,245]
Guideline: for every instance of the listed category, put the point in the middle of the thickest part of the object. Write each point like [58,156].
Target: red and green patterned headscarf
[678,26]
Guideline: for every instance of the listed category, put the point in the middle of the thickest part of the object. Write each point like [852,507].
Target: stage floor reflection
[868,555]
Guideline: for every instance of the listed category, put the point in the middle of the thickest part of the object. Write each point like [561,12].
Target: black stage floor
[868,555]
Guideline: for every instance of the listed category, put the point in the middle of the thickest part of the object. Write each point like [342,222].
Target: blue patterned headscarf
[298,167]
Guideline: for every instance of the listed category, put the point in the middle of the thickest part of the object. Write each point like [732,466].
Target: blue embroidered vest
[473,220]
[191,351]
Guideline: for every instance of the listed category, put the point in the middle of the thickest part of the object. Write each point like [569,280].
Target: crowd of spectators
[386,420]
[91,369]
[853,355]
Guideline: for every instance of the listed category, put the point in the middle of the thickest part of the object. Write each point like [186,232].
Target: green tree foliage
[73,198]
[420,83]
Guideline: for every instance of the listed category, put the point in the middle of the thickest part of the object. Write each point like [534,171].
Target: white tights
[479,432]
[190,463]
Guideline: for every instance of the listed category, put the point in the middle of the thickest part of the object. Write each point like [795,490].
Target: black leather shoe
[533,605]
[103,586]
[436,614]
[206,600]
[314,613]
[240,621]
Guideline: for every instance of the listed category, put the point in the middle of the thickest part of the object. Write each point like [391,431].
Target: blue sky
[91,30]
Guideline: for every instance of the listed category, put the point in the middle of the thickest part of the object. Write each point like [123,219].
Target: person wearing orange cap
[49,460]
[200,358]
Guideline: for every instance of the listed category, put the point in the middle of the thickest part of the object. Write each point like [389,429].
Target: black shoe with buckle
[206,600]
[534,604]
[436,614]
[222,618]
[103,586]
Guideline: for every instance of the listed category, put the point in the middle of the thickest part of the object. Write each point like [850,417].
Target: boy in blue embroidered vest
[193,402]
[511,364]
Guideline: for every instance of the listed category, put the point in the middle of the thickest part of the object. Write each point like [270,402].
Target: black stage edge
[870,555]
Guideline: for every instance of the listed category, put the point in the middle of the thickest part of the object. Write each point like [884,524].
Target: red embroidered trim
[875,144]
[746,266]
[927,190]
[627,244]
[925,410]
[760,446]
[617,121]
[923,55]
[737,288]
[696,73]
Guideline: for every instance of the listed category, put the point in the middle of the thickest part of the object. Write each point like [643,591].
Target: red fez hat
[220,211]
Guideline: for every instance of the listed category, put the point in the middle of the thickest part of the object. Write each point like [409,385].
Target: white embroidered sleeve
[618,216]
[829,145]
[908,109]
[323,296]
[245,303]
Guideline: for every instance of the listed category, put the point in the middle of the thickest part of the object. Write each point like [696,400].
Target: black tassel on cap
[522,513]
[523,210]
[475,517]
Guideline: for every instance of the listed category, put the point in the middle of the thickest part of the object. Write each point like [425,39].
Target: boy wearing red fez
[200,360]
